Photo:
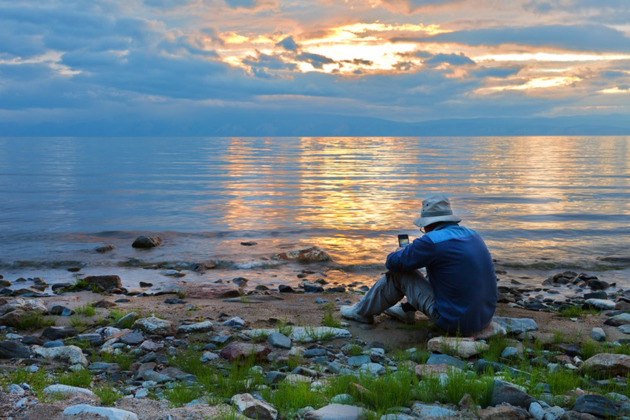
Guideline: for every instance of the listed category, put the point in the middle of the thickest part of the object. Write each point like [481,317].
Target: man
[460,294]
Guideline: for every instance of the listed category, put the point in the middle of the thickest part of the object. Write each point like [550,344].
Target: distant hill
[274,124]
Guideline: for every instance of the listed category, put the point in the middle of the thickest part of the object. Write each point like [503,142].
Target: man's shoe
[350,312]
[397,312]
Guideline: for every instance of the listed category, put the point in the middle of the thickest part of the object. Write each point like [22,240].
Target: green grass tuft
[86,310]
[31,321]
[81,378]
[182,394]
[107,394]
[329,320]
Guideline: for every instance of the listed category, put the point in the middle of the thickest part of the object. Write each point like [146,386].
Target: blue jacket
[461,272]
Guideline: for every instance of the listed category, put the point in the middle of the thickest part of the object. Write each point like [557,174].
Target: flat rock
[279,340]
[240,350]
[503,412]
[198,327]
[153,325]
[71,355]
[304,255]
[437,359]
[106,283]
[493,329]
[604,304]
[617,320]
[516,325]
[57,333]
[249,406]
[105,412]
[337,412]
[304,334]
[146,242]
[427,411]
[598,334]
[463,347]
[27,305]
[596,405]
[13,350]
[608,364]
[424,371]
[505,392]
[68,390]
[132,338]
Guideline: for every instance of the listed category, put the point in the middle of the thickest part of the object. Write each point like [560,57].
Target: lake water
[541,203]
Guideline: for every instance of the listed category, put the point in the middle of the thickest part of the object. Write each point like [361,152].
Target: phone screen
[403,240]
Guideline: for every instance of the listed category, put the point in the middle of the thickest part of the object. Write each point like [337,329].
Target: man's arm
[417,254]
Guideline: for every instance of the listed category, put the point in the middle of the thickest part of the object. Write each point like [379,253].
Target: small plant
[181,294]
[31,321]
[496,345]
[576,311]
[36,380]
[79,284]
[329,320]
[182,394]
[107,394]
[284,328]
[318,334]
[86,310]
[116,315]
[123,360]
[81,378]
[290,397]
[560,381]
[78,323]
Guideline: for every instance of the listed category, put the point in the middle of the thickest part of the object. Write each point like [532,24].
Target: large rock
[57,333]
[68,390]
[505,392]
[304,255]
[106,282]
[516,325]
[239,350]
[26,305]
[427,411]
[13,350]
[427,371]
[608,364]
[198,327]
[153,325]
[463,347]
[70,355]
[597,405]
[503,412]
[618,320]
[108,413]
[146,242]
[253,408]
[304,334]
[337,412]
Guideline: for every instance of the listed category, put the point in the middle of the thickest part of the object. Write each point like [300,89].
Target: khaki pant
[392,287]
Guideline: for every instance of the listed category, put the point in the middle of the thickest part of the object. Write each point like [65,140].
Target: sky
[274,67]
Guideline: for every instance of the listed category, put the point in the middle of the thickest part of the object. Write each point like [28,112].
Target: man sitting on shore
[460,293]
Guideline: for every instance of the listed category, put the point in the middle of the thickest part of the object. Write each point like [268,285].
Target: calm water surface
[543,203]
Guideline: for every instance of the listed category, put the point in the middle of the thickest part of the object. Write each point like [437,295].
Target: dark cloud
[452,59]
[288,44]
[314,60]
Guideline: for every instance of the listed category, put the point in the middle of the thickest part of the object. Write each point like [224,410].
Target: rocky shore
[98,349]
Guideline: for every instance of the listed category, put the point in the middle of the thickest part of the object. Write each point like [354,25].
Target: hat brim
[426,221]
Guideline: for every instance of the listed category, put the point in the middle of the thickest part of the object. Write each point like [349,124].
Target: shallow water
[541,203]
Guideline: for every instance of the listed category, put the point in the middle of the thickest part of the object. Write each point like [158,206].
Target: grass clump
[31,321]
[81,378]
[329,320]
[455,386]
[36,380]
[317,334]
[107,394]
[124,360]
[78,323]
[576,312]
[182,394]
[116,315]
[290,397]
[496,344]
[86,310]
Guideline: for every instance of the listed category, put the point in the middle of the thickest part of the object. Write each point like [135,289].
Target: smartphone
[403,240]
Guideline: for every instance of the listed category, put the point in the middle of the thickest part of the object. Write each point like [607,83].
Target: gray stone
[536,411]
[596,405]
[304,255]
[106,283]
[68,390]
[146,242]
[432,411]
[153,325]
[208,356]
[279,340]
[598,334]
[253,408]
[510,353]
[624,328]
[132,338]
[274,377]
[516,325]
[13,350]
[127,320]
[56,333]
[604,304]
[357,361]
[198,327]
[94,339]
[55,343]
[337,412]
[71,355]
[505,392]
[608,364]
[316,352]
[106,412]
[26,305]
[373,369]
[342,399]
[618,320]
[463,347]
[437,359]
[234,322]
[15,389]
[61,310]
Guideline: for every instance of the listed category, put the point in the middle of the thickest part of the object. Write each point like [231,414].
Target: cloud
[452,59]
[288,44]
[252,5]
[314,60]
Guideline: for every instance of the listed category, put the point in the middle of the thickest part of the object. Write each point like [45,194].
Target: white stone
[304,334]
[463,347]
[71,355]
[432,411]
[605,304]
[294,378]
[68,390]
[337,412]
[253,408]
[199,327]
[516,325]
[373,369]
[153,325]
[208,356]
[598,334]
[536,411]
[106,412]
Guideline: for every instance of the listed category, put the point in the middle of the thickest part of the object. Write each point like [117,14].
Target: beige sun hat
[436,208]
